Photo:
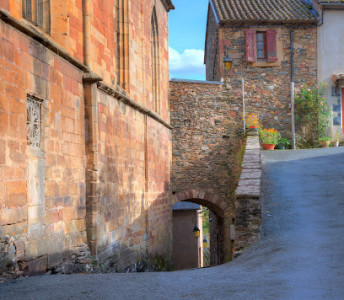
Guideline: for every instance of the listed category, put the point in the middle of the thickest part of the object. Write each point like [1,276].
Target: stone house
[270,47]
[85,140]
[187,250]
[331,54]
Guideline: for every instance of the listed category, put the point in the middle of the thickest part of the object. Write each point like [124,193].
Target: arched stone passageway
[224,244]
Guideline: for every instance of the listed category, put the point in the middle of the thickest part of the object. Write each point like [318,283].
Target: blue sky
[187,25]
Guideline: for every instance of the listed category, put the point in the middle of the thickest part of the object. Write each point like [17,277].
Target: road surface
[300,254]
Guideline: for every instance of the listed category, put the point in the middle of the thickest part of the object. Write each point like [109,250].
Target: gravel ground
[300,254]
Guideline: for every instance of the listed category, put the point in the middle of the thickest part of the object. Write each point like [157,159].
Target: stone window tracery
[33,122]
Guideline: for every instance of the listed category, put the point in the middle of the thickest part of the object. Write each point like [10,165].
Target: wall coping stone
[250,181]
[125,99]
[196,81]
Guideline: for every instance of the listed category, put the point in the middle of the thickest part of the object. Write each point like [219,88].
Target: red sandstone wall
[135,208]
[67,31]
[140,53]
[42,195]
[42,192]
[159,156]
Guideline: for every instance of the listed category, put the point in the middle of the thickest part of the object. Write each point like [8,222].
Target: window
[155,63]
[122,39]
[33,122]
[261,46]
[37,12]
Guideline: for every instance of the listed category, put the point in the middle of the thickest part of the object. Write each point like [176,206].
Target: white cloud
[189,63]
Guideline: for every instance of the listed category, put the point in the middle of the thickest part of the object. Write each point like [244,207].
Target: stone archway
[224,219]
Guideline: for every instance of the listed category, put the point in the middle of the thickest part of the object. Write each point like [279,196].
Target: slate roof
[184,205]
[168,4]
[263,11]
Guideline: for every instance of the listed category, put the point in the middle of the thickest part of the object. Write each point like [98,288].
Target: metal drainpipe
[87,31]
[292,86]
[243,81]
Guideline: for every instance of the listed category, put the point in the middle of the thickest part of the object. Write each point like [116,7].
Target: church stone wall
[99,183]
[42,189]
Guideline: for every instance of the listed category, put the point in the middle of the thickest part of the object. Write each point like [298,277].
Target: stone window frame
[34,122]
[37,12]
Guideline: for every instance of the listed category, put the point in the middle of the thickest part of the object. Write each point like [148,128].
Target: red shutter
[251,45]
[271,45]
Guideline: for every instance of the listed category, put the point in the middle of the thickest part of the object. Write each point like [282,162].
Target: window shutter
[251,45]
[271,45]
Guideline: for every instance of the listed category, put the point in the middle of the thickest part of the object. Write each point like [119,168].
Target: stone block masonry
[247,202]
[42,187]
[85,163]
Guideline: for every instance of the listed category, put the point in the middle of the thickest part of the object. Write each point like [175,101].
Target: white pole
[293,115]
[243,101]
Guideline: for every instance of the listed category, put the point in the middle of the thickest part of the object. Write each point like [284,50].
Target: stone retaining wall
[247,203]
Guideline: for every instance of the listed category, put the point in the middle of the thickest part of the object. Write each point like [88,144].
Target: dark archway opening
[188,251]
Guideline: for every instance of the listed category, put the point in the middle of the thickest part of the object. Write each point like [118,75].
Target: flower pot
[325,144]
[335,144]
[268,146]
[253,127]
[280,146]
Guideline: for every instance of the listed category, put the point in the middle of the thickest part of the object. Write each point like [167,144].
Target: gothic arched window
[122,40]
[155,62]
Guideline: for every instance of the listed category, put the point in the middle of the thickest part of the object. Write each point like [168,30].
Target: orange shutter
[251,45]
[271,45]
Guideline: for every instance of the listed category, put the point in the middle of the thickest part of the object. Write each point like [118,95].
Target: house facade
[85,140]
[331,54]
[270,47]
[187,249]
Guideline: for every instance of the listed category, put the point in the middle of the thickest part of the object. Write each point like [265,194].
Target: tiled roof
[263,11]
[184,205]
[331,1]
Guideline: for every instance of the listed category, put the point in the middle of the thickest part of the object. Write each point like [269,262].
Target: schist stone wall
[84,160]
[205,124]
[207,137]
[267,88]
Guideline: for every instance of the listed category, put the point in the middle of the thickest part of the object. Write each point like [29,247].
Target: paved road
[300,255]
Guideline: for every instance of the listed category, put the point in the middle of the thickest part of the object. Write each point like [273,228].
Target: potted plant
[283,143]
[252,121]
[324,141]
[336,137]
[269,138]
